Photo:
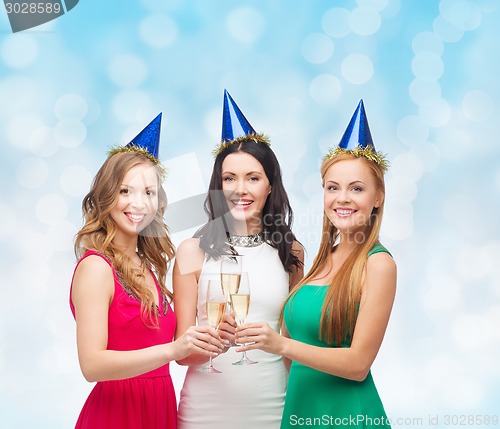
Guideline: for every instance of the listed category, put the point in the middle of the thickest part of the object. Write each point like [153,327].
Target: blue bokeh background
[427,71]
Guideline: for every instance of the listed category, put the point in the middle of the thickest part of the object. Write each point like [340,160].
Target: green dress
[315,398]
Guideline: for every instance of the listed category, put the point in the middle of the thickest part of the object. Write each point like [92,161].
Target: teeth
[344,212]
[135,216]
[242,203]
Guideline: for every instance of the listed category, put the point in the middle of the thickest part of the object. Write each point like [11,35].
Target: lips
[242,204]
[344,212]
[135,217]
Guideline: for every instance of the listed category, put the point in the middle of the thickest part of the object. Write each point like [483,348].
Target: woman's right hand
[227,328]
[203,340]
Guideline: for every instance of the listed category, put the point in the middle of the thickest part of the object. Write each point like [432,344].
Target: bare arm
[354,362]
[92,292]
[187,267]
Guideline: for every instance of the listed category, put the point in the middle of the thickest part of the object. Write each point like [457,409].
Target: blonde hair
[153,246]
[339,312]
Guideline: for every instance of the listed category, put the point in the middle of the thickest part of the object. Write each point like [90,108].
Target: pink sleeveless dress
[143,402]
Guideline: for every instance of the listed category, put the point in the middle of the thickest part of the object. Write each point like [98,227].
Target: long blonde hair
[154,246]
[339,312]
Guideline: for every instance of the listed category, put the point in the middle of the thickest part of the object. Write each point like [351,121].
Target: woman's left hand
[259,336]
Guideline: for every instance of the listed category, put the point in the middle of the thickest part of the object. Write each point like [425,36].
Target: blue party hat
[147,143]
[234,123]
[149,137]
[235,127]
[357,140]
[357,133]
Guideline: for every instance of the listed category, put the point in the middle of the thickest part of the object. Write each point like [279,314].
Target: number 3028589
[33,8]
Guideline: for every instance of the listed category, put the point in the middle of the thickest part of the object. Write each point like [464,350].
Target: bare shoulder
[189,256]
[382,260]
[94,266]
[190,246]
[381,271]
[93,277]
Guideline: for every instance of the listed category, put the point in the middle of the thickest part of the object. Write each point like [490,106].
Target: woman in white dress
[249,215]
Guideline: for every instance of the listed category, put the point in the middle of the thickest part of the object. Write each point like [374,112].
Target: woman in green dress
[334,320]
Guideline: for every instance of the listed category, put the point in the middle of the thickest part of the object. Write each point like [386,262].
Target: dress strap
[378,248]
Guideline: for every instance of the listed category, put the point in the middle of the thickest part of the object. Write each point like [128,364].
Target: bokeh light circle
[435,111]
[71,106]
[32,172]
[127,70]
[427,66]
[364,21]
[446,31]
[42,142]
[357,69]
[19,50]
[158,31]
[463,14]
[478,106]
[412,130]
[70,133]
[422,89]
[317,48]
[246,24]
[325,89]
[427,41]
[335,22]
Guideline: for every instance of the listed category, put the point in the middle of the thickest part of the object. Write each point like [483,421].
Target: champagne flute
[230,273]
[241,303]
[216,307]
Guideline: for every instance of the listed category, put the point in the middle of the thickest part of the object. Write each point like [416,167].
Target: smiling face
[246,188]
[350,195]
[137,201]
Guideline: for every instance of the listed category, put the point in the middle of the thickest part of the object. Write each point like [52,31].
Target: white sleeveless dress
[242,396]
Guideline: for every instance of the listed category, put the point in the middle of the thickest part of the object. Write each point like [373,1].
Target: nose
[241,187]
[137,201]
[344,197]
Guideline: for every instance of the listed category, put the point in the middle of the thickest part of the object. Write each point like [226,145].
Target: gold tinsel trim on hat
[256,138]
[140,150]
[368,152]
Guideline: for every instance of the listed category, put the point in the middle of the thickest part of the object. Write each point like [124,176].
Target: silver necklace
[248,240]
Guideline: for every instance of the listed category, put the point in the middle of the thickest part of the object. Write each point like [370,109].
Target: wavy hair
[277,214]
[339,312]
[154,246]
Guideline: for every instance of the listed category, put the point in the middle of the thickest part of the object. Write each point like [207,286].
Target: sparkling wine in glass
[230,274]
[216,307]
[241,303]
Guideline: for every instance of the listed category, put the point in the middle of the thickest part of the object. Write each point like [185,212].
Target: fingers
[246,348]
[205,338]
[229,320]
[205,348]
[226,327]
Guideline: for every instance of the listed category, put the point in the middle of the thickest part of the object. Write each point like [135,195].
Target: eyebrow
[133,187]
[352,183]
[247,174]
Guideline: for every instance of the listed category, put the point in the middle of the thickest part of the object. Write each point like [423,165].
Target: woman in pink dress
[119,299]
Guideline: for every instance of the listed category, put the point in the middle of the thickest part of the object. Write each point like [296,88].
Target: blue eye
[228,179]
